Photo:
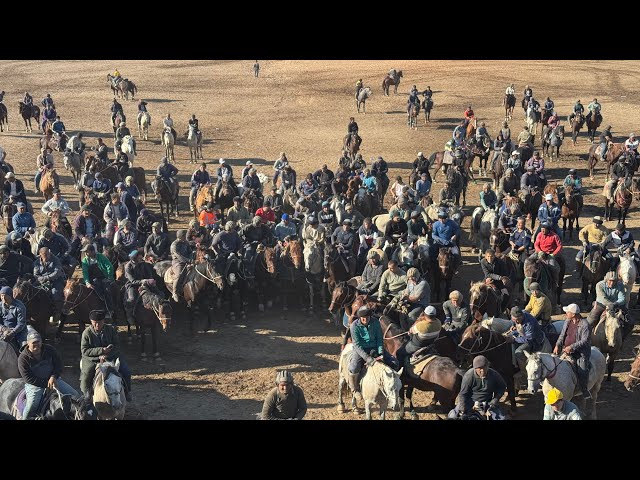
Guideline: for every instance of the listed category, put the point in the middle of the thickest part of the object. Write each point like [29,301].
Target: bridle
[551,372]
[478,341]
[78,296]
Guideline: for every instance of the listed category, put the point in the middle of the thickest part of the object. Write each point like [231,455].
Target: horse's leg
[141,336]
[310,284]
[412,410]
[154,340]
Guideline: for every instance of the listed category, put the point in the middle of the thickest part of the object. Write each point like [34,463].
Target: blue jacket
[307,189]
[371,183]
[250,182]
[15,316]
[200,177]
[101,186]
[50,271]
[521,239]
[576,183]
[532,332]
[58,126]
[166,171]
[549,214]
[58,245]
[22,222]
[442,232]
[366,338]
[227,242]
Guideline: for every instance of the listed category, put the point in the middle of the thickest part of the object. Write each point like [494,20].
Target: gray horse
[362,98]
[8,362]
[481,226]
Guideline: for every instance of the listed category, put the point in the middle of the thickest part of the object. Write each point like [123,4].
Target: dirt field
[302,108]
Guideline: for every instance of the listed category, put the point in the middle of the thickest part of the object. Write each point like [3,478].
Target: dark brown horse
[441,375]
[571,208]
[388,81]
[8,211]
[622,198]
[352,144]
[486,299]
[444,272]
[336,267]
[151,311]
[4,117]
[28,112]
[38,302]
[531,201]
[577,122]
[613,154]
[412,117]
[593,122]
[594,269]
[167,199]
[291,272]
[265,276]
[79,300]
[427,106]
[477,340]
[509,103]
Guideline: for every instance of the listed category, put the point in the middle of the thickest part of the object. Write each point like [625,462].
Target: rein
[81,301]
[628,374]
[384,335]
[478,340]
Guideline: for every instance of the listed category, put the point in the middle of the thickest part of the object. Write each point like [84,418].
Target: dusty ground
[302,108]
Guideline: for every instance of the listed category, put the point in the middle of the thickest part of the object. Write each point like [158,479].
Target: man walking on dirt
[256,68]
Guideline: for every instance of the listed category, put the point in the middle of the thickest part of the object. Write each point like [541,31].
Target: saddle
[20,402]
[415,365]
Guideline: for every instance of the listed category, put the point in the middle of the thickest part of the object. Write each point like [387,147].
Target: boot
[583,381]
[129,313]
[354,384]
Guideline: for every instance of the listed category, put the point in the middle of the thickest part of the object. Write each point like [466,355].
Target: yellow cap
[553,396]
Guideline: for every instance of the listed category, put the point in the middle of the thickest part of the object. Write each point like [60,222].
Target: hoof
[341,409]
[358,411]
[413,415]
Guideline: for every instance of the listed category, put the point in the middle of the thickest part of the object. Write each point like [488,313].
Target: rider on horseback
[520,240]
[193,121]
[509,218]
[594,111]
[537,162]
[468,116]
[359,86]
[48,102]
[352,132]
[27,99]
[594,233]
[548,107]
[549,212]
[122,131]
[631,146]
[115,108]
[100,184]
[180,252]
[199,179]
[43,161]
[137,272]
[571,180]
[526,336]
[525,138]
[459,134]
[445,233]
[58,127]
[166,172]
[622,240]
[494,269]
[488,198]
[482,133]
[416,299]
[167,122]
[343,238]
[97,273]
[428,94]
[605,139]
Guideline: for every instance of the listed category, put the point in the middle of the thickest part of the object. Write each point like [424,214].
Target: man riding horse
[352,134]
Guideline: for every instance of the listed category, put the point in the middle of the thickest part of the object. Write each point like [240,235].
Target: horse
[509,103]
[577,123]
[127,148]
[226,195]
[337,268]
[265,276]
[552,371]
[115,87]
[140,181]
[8,362]
[571,208]
[440,376]
[73,161]
[151,310]
[532,118]
[290,271]
[535,270]
[412,118]
[168,142]
[388,81]
[594,269]
[366,203]
[427,106]
[28,112]
[554,139]
[472,124]
[498,168]
[486,299]
[108,391]
[477,340]
[627,273]
[116,120]
[166,198]
[593,122]
[614,152]
[437,160]
[8,211]
[313,266]
[38,302]
[194,142]
[622,197]
[531,201]
[607,337]
[380,384]
[482,225]
[48,181]
[4,117]
[361,99]
[482,150]
[128,87]
[633,377]
[59,407]
[144,119]
[443,274]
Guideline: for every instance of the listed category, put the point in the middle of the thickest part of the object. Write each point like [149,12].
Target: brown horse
[265,276]
[486,299]
[48,182]
[477,340]
[352,144]
[633,377]
[151,311]
[80,300]
[28,112]
[388,81]
[346,297]
[436,159]
[571,208]
[593,122]
[614,152]
[441,375]
[4,117]
[444,273]
[471,127]
[594,269]
[8,211]
[204,196]
[38,303]
[577,122]
[291,272]
[622,197]
[509,103]
[414,110]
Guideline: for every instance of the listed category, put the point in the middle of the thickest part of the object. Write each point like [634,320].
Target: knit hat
[34,336]
[534,286]
[6,291]
[428,327]
[480,362]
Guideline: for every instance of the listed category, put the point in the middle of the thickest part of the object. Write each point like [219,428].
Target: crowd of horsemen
[237,216]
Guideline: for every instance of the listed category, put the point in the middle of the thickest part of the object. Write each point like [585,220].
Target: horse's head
[109,385]
[72,291]
[389,382]
[83,409]
[445,261]
[270,259]
[534,371]
[613,328]
[294,250]
[312,259]
[634,375]
[164,315]
[478,296]
[340,296]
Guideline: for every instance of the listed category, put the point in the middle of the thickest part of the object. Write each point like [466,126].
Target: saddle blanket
[417,369]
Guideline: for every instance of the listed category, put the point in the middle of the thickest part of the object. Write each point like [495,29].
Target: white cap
[221,161]
[420,154]
[573,308]
[430,310]
[548,196]
[248,163]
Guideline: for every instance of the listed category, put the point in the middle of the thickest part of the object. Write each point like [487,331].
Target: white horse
[168,141]
[607,337]
[144,120]
[74,162]
[380,384]
[194,142]
[127,148]
[531,121]
[338,208]
[108,391]
[361,99]
[313,266]
[551,371]
[481,226]
[627,273]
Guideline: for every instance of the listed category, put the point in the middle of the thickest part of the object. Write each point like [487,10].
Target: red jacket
[269,216]
[548,243]
[468,113]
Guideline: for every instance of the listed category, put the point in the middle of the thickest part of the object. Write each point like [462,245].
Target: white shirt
[510,91]
[52,205]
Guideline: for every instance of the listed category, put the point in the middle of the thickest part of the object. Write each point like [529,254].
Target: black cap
[364,311]
[96,315]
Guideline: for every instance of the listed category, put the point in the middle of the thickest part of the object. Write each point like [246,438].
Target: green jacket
[103,264]
[367,338]
[92,343]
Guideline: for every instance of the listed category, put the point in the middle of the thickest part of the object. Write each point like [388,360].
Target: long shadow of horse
[395,112]
[241,162]
[162,100]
